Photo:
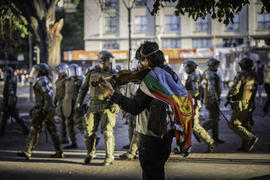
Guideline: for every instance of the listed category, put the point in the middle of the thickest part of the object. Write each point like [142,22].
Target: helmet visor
[73,71]
[33,74]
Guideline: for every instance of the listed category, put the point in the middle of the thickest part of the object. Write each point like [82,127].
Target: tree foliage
[39,17]
[223,10]
[13,34]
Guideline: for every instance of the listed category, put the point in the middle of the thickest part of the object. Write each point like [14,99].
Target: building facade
[180,37]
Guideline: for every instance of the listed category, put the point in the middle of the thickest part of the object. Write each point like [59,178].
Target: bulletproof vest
[60,88]
[41,86]
[211,84]
[95,92]
[193,84]
[72,87]
[10,91]
[248,87]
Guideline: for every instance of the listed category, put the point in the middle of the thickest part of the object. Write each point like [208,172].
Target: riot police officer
[242,96]
[100,110]
[72,87]
[59,97]
[42,113]
[212,91]
[10,101]
[193,85]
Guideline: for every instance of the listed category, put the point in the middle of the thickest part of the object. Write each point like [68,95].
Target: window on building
[110,45]
[263,21]
[169,3]
[171,43]
[140,24]
[202,24]
[111,3]
[201,43]
[235,25]
[140,2]
[110,25]
[171,23]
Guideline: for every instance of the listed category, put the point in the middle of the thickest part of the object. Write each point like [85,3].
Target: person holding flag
[164,109]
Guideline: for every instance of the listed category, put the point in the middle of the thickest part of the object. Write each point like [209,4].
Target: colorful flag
[162,86]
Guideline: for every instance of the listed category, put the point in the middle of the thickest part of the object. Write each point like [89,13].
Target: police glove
[78,107]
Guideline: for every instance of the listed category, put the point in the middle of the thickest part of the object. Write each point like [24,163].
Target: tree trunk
[50,44]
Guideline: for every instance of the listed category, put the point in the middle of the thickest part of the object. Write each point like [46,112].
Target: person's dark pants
[267,103]
[153,154]
[11,112]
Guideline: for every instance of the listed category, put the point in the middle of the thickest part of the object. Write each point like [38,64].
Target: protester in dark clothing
[154,145]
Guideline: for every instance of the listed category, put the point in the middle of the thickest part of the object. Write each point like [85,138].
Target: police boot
[211,148]
[71,146]
[252,143]
[58,154]
[24,155]
[127,156]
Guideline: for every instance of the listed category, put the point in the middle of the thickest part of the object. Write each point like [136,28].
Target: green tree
[223,10]
[39,18]
[13,34]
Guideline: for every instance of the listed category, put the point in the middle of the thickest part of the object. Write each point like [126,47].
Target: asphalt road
[225,163]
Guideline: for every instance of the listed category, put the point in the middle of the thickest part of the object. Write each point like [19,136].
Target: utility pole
[129,8]
[30,67]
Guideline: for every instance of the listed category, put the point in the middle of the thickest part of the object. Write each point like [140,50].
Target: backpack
[161,118]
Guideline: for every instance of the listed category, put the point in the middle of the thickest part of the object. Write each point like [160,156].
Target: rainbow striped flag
[162,86]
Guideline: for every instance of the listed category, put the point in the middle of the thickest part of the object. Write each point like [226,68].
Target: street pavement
[225,163]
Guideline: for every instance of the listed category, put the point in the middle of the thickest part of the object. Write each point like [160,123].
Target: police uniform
[100,111]
[242,95]
[60,93]
[193,86]
[72,86]
[212,92]
[9,103]
[42,113]
[266,107]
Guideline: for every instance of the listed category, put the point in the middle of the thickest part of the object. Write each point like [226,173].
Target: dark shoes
[58,155]
[128,156]
[126,147]
[211,148]
[71,146]
[24,155]
[88,159]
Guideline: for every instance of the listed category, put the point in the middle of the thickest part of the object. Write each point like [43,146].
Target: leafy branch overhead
[223,10]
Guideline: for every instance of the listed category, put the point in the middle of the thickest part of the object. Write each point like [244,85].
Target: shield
[67,107]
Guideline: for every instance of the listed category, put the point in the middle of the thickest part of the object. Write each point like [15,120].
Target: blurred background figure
[9,103]
[259,69]
[267,88]
[72,87]
[62,70]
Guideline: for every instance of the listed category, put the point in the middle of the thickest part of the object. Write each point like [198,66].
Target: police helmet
[8,71]
[41,69]
[105,55]
[191,64]
[74,70]
[213,62]
[246,63]
[62,69]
